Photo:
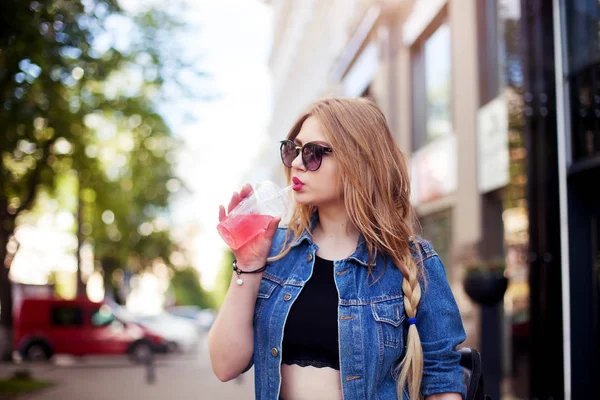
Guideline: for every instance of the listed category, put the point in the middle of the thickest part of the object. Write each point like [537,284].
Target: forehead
[311,131]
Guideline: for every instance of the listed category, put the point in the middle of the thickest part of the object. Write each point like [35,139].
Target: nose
[297,163]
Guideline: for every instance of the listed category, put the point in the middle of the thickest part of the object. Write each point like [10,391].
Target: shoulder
[427,258]
[421,249]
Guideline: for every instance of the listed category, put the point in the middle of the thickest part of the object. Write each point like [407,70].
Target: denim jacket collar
[360,255]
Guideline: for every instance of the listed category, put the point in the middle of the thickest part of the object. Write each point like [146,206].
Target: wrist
[249,266]
[239,272]
[245,277]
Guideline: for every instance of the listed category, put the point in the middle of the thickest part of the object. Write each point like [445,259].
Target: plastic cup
[253,214]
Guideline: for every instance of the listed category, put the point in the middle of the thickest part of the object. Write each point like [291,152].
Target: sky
[222,143]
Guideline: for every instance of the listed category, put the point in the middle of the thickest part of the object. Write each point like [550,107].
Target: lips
[297,184]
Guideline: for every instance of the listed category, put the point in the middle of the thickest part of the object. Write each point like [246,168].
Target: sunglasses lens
[312,154]
[288,153]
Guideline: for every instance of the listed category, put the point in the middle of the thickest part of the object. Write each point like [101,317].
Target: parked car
[179,332]
[202,318]
[45,327]
[176,339]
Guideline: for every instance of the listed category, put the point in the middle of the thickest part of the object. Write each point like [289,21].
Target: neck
[335,222]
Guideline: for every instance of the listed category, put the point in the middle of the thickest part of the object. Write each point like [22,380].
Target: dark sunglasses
[312,154]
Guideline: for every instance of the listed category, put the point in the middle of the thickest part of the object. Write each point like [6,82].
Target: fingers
[235,200]
[246,190]
[270,230]
[237,197]
[221,213]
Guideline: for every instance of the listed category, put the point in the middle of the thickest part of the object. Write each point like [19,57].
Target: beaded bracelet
[238,271]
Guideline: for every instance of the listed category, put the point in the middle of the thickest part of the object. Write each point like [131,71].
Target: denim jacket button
[274,352]
[287,297]
[309,258]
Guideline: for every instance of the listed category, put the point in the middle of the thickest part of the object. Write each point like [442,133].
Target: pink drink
[237,230]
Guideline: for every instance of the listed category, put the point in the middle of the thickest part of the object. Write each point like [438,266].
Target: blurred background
[125,123]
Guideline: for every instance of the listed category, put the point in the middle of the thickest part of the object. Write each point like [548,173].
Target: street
[176,377]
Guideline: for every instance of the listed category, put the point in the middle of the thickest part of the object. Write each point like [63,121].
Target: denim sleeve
[441,330]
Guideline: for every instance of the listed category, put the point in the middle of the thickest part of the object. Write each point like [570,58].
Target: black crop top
[310,335]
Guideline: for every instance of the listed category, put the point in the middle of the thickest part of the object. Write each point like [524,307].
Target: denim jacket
[372,324]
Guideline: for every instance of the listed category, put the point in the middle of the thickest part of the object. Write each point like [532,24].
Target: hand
[253,254]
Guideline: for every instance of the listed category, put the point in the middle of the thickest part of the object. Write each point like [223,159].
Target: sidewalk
[184,377]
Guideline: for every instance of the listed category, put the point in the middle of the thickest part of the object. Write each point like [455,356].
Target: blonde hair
[376,192]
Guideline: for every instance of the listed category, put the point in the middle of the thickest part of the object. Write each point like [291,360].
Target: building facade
[496,103]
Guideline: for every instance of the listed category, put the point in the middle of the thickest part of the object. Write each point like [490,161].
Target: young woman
[345,302]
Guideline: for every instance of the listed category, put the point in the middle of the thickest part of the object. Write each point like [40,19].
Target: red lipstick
[298,184]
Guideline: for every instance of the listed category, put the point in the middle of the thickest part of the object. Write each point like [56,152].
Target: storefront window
[583,27]
[583,76]
[431,68]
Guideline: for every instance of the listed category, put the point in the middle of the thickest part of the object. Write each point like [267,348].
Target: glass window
[583,76]
[102,316]
[67,316]
[583,28]
[437,83]
[432,88]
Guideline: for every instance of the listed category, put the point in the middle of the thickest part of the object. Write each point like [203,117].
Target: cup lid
[273,199]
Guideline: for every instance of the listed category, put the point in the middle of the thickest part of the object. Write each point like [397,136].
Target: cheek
[334,181]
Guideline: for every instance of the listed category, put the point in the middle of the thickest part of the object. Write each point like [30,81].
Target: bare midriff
[310,383]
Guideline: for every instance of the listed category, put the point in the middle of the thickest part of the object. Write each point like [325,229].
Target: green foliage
[16,386]
[224,278]
[187,290]
[72,104]
[78,122]
[495,264]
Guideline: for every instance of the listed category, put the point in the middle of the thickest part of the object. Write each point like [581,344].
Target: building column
[466,229]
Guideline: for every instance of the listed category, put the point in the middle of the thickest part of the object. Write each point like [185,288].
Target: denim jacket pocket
[265,291]
[266,288]
[389,315]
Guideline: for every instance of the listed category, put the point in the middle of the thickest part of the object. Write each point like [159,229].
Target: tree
[224,278]
[126,219]
[187,290]
[62,69]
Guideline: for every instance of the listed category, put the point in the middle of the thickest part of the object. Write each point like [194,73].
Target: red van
[44,327]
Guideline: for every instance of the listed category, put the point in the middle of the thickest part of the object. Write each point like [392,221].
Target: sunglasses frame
[300,150]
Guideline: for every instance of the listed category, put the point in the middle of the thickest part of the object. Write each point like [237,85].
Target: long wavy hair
[376,193]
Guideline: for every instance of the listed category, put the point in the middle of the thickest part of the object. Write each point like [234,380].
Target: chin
[302,198]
